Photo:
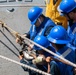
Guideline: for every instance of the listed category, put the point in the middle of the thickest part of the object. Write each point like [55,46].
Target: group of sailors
[57,33]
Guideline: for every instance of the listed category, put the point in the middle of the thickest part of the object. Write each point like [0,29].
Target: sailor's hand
[30,47]
[74,70]
[48,71]
[20,57]
[19,40]
[48,59]
[39,60]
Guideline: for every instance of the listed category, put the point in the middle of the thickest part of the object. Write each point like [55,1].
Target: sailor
[68,9]
[44,60]
[40,25]
[52,13]
[59,38]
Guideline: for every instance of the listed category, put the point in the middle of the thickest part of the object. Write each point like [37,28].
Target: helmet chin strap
[39,20]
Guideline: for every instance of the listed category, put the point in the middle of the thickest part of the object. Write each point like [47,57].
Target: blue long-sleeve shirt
[68,54]
[72,34]
[43,29]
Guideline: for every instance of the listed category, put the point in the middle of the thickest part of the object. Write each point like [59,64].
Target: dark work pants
[31,72]
[54,68]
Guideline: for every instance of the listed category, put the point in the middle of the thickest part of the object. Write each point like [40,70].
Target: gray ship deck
[15,16]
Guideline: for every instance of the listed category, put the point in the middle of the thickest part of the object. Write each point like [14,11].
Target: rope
[9,48]
[47,50]
[16,62]
[10,41]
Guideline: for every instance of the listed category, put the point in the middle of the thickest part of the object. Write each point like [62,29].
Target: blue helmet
[34,13]
[67,6]
[41,40]
[58,35]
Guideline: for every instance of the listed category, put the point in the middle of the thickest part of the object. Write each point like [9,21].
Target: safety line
[16,34]
[9,48]
[16,62]
[10,41]
[49,51]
